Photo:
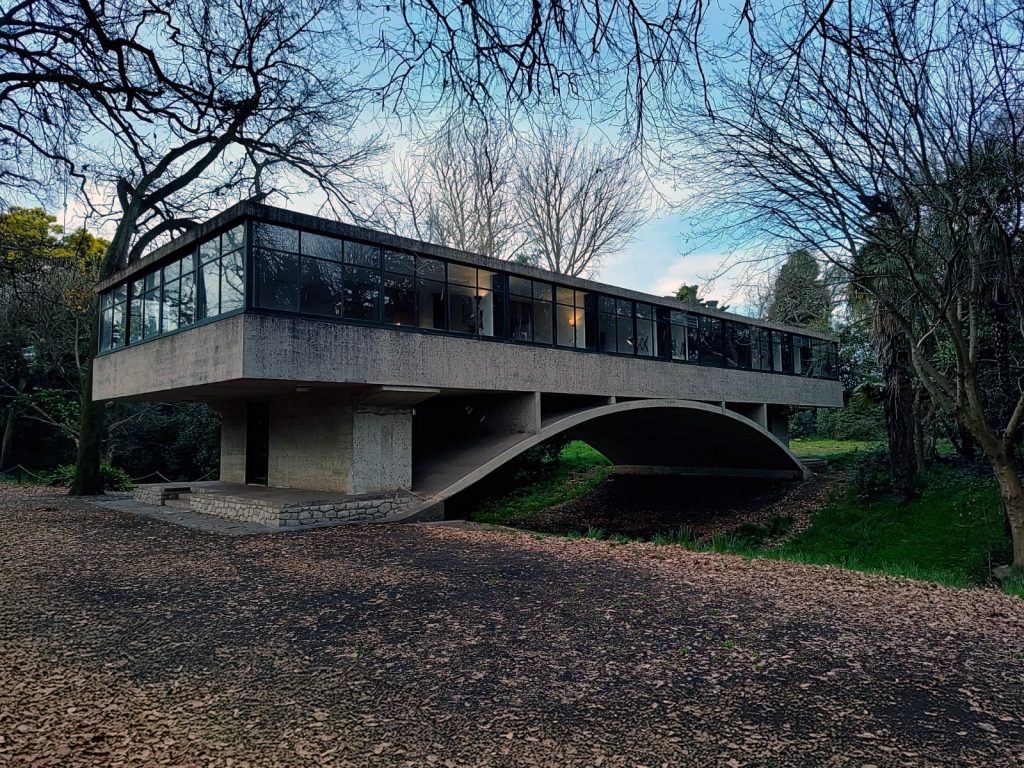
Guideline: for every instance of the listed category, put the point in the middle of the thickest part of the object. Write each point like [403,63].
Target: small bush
[860,419]
[114,479]
[872,474]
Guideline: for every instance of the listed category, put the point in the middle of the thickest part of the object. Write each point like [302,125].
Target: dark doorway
[257,443]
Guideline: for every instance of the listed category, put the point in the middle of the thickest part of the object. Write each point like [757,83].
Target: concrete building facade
[347,360]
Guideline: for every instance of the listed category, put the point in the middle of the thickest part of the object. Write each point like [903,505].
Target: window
[135,312]
[232,282]
[684,343]
[711,343]
[491,300]
[645,330]
[803,355]
[321,287]
[321,246]
[399,299]
[151,306]
[187,305]
[543,313]
[738,352]
[606,324]
[570,318]
[113,314]
[463,316]
[520,309]
[277,280]
[624,326]
[782,356]
[361,289]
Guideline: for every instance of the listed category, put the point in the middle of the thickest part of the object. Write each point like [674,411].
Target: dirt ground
[127,641]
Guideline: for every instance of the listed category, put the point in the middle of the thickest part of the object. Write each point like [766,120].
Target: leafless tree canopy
[890,142]
[456,188]
[157,113]
[579,202]
[554,198]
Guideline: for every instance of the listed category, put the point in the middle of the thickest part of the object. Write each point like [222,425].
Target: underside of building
[361,366]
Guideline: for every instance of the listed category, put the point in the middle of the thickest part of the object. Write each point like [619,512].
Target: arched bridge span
[671,436]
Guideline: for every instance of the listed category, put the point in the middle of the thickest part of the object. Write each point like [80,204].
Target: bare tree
[894,128]
[158,114]
[578,201]
[455,189]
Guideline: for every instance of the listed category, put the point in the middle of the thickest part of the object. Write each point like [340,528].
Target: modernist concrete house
[377,375]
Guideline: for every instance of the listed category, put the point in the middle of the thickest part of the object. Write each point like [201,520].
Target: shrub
[872,474]
[860,419]
[114,479]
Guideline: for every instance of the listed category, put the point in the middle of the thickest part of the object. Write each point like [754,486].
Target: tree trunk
[88,480]
[8,440]
[897,401]
[1012,492]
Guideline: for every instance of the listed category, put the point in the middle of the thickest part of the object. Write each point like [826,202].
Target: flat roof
[257,211]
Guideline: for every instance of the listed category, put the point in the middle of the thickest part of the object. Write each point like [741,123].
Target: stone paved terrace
[274,507]
[128,641]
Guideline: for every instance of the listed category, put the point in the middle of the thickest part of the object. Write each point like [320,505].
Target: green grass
[953,534]
[578,470]
[827,448]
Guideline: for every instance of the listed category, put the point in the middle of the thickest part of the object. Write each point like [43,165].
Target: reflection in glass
[277,280]
[460,274]
[321,246]
[520,318]
[278,238]
[565,326]
[172,293]
[187,307]
[399,300]
[492,318]
[232,282]
[463,315]
[321,289]
[430,304]
[362,293]
[543,321]
[625,335]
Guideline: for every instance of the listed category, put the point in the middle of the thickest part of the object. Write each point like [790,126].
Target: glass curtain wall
[320,275]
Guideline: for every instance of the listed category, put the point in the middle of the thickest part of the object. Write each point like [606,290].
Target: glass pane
[679,350]
[460,274]
[543,322]
[606,304]
[625,335]
[644,337]
[106,299]
[233,239]
[607,333]
[520,286]
[106,322]
[278,238]
[209,250]
[581,328]
[209,289]
[172,271]
[492,318]
[121,293]
[431,269]
[565,295]
[430,304]
[399,299]
[402,263]
[463,315]
[624,307]
[277,280]
[565,326]
[321,288]
[232,282]
[321,247]
[188,263]
[362,293]
[187,313]
[117,327]
[135,321]
[542,291]
[152,280]
[582,298]
[362,255]
[151,310]
[172,292]
[711,343]
[492,281]
[138,287]
[645,311]
[520,318]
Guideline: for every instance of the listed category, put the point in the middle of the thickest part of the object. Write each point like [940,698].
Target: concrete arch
[673,436]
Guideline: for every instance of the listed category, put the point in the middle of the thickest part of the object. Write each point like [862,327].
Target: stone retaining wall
[352,510]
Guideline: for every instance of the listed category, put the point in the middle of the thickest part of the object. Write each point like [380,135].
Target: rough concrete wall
[311,443]
[381,449]
[194,357]
[282,348]
[232,440]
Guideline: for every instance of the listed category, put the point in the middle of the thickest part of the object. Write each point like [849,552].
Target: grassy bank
[579,469]
[953,534]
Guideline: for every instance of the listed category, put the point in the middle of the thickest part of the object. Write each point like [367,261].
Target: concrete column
[778,423]
[232,440]
[381,454]
[311,442]
[756,412]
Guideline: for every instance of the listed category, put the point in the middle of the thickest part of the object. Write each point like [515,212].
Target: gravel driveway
[129,641]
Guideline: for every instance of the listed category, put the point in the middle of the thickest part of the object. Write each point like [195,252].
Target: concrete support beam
[311,442]
[778,423]
[756,412]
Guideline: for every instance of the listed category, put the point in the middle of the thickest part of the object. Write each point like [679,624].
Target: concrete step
[182,502]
